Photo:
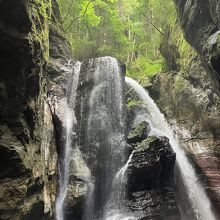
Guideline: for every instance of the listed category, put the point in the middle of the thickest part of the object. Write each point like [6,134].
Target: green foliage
[132,103]
[142,68]
[130,30]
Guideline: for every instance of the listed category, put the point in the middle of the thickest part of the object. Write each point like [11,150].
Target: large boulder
[150,179]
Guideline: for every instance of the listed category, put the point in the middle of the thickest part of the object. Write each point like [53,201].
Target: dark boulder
[150,179]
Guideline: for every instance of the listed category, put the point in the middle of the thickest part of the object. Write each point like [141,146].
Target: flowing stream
[69,121]
[195,192]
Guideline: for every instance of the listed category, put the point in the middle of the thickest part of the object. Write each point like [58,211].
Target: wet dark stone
[150,179]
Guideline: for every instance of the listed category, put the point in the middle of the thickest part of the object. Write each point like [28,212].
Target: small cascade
[199,201]
[69,123]
[89,203]
[121,173]
[116,209]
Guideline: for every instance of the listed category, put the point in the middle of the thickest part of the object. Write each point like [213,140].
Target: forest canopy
[130,30]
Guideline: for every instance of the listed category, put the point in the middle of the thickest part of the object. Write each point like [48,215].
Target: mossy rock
[146,144]
[139,133]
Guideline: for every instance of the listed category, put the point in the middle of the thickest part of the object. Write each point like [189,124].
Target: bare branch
[153,24]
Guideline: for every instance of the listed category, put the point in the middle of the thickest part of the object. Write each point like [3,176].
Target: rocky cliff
[190,98]
[200,22]
[29,43]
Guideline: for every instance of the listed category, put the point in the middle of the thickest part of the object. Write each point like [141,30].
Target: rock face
[28,143]
[201,23]
[190,98]
[139,133]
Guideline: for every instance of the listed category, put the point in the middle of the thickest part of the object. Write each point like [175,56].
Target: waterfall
[196,194]
[104,133]
[69,122]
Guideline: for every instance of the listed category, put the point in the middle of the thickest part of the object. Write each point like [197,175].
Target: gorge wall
[32,50]
[190,98]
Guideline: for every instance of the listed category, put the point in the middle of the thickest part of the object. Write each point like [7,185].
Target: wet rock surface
[150,180]
[75,199]
[100,129]
[139,133]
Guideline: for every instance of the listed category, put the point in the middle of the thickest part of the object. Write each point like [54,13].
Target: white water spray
[199,200]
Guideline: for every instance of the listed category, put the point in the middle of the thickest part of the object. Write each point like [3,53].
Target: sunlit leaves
[119,28]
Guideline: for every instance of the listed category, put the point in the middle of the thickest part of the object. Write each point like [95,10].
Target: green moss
[146,143]
[179,83]
[40,14]
[132,103]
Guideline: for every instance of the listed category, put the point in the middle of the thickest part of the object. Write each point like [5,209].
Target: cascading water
[116,209]
[105,131]
[69,122]
[196,194]
[103,139]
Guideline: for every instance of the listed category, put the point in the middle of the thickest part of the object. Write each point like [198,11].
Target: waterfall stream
[195,192]
[105,130]
[69,122]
